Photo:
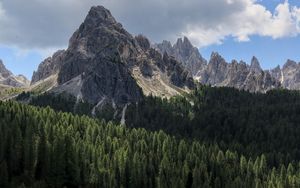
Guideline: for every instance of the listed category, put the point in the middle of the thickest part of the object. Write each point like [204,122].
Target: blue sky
[269,52]
[22,53]
[20,62]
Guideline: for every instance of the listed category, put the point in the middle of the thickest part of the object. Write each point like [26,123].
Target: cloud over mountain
[48,23]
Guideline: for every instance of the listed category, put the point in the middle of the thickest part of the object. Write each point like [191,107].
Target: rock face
[252,78]
[289,75]
[217,72]
[184,52]
[105,62]
[8,79]
[239,75]
[48,67]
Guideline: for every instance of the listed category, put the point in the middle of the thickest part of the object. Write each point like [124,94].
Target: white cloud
[3,17]
[282,23]
[296,15]
[40,23]
[254,19]
[44,24]
[2,13]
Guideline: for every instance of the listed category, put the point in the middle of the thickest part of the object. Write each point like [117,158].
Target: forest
[213,137]
[249,123]
[43,148]
[66,103]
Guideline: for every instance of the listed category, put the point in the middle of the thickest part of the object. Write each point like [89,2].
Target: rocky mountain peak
[1,64]
[184,52]
[98,37]
[238,75]
[277,73]
[98,15]
[8,79]
[166,44]
[163,47]
[48,67]
[179,42]
[277,68]
[220,73]
[3,71]
[184,43]
[187,42]
[234,62]
[255,66]
[143,42]
[289,64]
[104,63]
[215,57]
[290,75]
[99,33]
[243,62]
[185,47]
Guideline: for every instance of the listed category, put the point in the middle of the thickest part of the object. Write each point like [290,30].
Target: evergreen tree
[4,180]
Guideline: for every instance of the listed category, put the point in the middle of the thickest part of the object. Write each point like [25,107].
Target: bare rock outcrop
[104,61]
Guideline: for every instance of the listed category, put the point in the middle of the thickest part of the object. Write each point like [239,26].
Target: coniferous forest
[214,137]
[115,109]
[250,123]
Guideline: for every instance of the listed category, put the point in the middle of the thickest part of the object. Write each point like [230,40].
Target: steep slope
[184,52]
[218,72]
[288,75]
[105,63]
[238,75]
[84,152]
[8,79]
[48,67]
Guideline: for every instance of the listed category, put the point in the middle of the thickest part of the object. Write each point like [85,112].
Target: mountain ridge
[105,62]
[217,72]
[184,52]
[8,79]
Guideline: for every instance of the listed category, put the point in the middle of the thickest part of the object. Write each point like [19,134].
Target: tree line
[43,148]
[249,123]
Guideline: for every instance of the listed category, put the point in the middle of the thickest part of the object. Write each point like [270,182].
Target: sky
[237,29]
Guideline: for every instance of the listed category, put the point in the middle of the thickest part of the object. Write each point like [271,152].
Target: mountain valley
[115,110]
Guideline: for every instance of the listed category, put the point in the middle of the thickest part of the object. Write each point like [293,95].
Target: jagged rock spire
[255,66]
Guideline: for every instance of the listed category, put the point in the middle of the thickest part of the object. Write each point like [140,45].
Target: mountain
[288,75]
[218,72]
[105,63]
[44,148]
[7,79]
[237,74]
[184,52]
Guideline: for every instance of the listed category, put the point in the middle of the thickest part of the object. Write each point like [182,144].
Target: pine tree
[71,162]
[4,175]
[29,152]
[164,179]
[42,165]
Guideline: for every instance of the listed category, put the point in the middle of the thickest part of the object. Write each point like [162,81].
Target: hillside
[113,110]
[238,74]
[105,64]
[43,148]
[7,78]
[238,120]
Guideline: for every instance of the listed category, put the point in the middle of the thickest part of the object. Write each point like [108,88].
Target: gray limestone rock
[184,52]
[48,67]
[7,78]
[217,72]
[238,75]
[104,61]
